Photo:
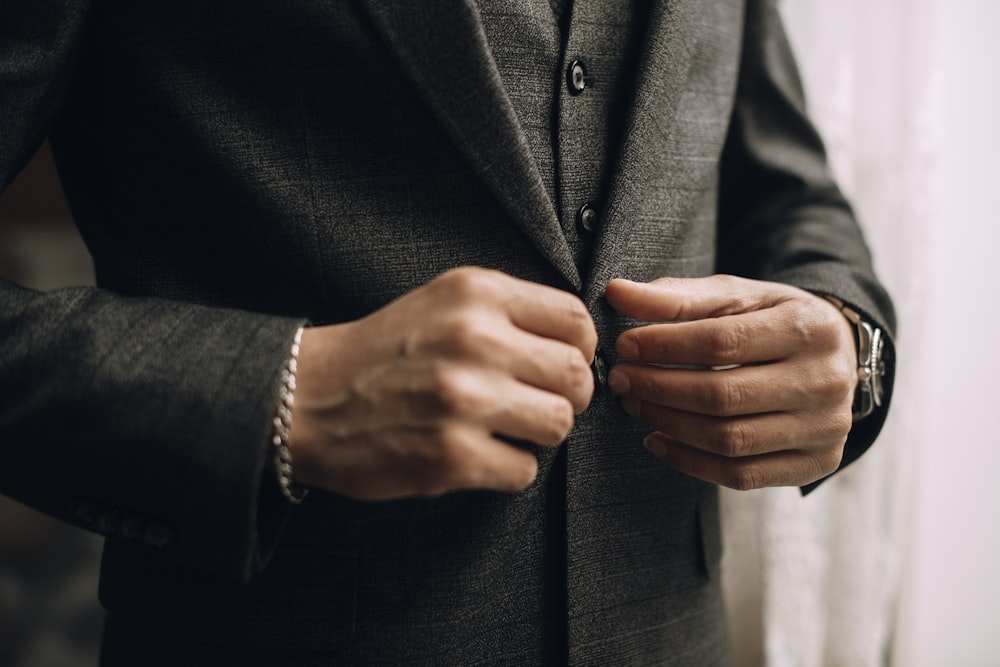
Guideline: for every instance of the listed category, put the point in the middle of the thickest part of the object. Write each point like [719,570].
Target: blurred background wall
[49,615]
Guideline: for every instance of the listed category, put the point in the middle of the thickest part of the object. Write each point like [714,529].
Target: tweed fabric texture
[238,167]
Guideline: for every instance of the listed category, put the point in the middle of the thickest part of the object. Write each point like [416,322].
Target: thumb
[688,299]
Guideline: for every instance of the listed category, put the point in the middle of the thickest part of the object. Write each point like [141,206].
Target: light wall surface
[951,594]
[924,113]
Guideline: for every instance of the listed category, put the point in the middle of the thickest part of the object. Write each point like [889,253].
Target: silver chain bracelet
[292,490]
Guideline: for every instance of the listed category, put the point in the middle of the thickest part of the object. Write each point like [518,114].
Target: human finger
[528,413]
[539,309]
[554,367]
[471,458]
[553,313]
[686,299]
[494,343]
[747,390]
[784,468]
[758,336]
[426,461]
[437,393]
[751,435]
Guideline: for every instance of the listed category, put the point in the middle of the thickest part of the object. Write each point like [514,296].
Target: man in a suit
[447,268]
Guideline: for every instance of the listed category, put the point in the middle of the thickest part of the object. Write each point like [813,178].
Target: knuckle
[824,463]
[414,344]
[451,392]
[840,423]
[729,283]
[735,438]
[581,321]
[471,336]
[829,460]
[577,313]
[727,342]
[829,325]
[739,299]
[581,379]
[559,424]
[575,364]
[836,381]
[746,478]
[817,328]
[467,283]
[727,396]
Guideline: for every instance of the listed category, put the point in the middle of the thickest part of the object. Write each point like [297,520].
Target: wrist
[869,344]
[323,365]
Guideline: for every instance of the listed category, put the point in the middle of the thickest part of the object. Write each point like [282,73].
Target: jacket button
[600,369]
[586,218]
[576,77]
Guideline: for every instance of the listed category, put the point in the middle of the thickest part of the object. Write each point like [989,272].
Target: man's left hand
[746,383]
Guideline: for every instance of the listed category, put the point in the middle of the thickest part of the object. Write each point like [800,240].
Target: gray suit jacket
[237,167]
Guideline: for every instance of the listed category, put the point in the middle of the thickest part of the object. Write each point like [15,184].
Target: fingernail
[656,444]
[627,347]
[631,406]
[618,381]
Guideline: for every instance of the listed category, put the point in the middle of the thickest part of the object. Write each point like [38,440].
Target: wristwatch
[871,364]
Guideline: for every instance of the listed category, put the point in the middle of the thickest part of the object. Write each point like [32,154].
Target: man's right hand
[414,399]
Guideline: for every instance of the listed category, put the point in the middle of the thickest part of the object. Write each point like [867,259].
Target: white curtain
[814,581]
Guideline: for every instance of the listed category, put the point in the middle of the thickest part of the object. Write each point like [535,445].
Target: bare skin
[415,399]
[781,417]
[412,400]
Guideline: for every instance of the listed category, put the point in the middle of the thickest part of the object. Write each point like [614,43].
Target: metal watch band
[871,365]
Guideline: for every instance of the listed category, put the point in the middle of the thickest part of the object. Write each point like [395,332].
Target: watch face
[871,368]
[877,367]
[871,365]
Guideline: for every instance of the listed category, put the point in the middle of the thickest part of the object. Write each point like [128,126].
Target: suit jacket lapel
[660,77]
[441,46]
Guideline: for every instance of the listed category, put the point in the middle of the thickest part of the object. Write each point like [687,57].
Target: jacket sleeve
[145,420]
[782,217]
